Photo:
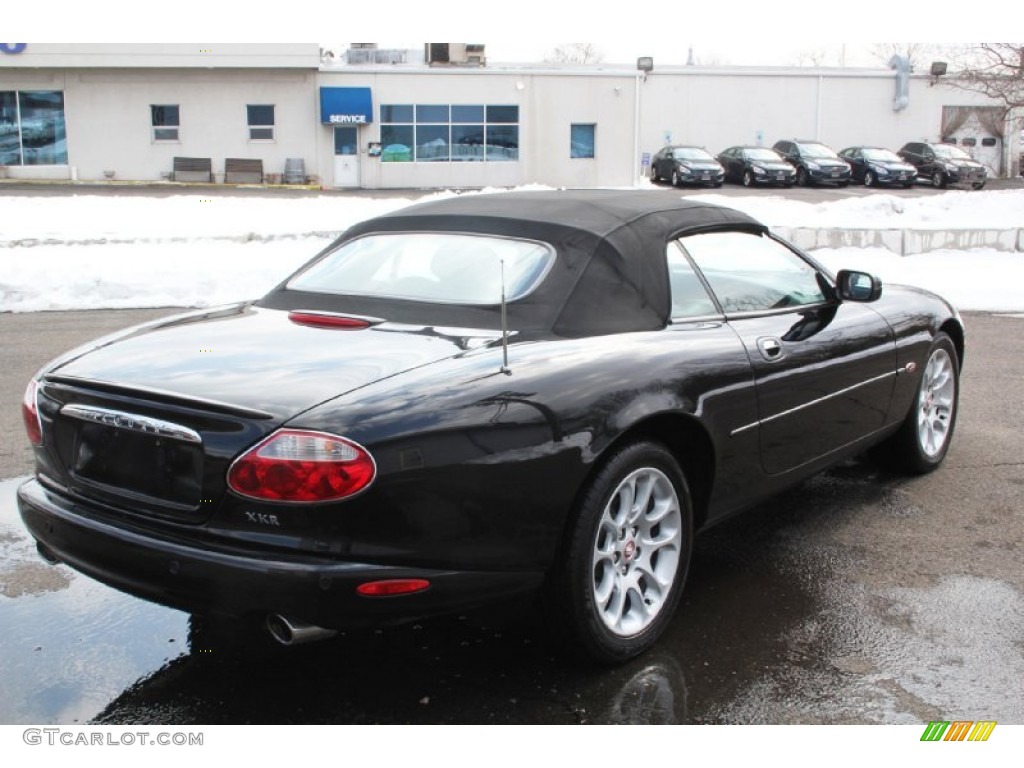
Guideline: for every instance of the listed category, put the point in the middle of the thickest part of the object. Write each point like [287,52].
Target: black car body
[877,166]
[681,164]
[384,437]
[944,164]
[751,166]
[815,163]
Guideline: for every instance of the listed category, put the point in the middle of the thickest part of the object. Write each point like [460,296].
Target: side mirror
[858,286]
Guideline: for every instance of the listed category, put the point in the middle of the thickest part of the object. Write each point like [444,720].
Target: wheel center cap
[629,551]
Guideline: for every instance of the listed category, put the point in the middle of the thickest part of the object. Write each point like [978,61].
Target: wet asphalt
[858,597]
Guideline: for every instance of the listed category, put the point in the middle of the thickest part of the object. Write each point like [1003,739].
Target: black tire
[917,447]
[654,173]
[748,178]
[843,184]
[978,185]
[869,179]
[939,180]
[717,184]
[675,178]
[801,177]
[908,185]
[606,527]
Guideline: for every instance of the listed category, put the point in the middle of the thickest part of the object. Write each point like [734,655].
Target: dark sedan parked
[944,164]
[877,166]
[686,165]
[814,162]
[475,398]
[751,166]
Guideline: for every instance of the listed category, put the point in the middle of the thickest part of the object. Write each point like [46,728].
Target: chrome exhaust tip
[292,632]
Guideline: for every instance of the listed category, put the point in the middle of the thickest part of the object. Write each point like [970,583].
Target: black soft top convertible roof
[609,276]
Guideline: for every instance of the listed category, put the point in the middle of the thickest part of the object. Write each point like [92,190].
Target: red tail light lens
[30,413]
[300,465]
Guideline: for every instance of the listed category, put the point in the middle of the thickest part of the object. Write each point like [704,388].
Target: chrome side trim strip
[811,403]
[131,421]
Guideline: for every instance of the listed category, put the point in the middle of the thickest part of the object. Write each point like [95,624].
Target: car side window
[752,273]
[689,296]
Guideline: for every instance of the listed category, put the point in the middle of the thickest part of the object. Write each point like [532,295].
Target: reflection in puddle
[69,644]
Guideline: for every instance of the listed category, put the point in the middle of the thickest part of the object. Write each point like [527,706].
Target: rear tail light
[300,465]
[30,413]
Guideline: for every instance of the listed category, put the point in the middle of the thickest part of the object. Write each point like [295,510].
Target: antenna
[504,324]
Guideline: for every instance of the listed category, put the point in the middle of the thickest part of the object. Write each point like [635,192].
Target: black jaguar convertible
[478,398]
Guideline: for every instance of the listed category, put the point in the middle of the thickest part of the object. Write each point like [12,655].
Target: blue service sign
[12,47]
[346,106]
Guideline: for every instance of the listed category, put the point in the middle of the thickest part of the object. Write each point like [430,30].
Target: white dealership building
[439,117]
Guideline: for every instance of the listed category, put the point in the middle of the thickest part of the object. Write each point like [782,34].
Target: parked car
[686,165]
[877,166]
[469,399]
[814,162]
[944,164]
[756,165]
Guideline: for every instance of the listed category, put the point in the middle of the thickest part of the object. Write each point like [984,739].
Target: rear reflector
[389,587]
[326,320]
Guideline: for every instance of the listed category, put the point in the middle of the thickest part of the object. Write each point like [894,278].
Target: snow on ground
[84,251]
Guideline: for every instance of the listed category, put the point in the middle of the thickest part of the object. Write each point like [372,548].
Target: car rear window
[444,268]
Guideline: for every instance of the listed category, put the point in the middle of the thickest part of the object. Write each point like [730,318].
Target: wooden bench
[193,169]
[243,170]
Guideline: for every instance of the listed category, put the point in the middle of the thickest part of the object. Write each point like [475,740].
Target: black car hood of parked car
[602,238]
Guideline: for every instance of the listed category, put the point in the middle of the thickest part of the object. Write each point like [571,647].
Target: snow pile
[84,251]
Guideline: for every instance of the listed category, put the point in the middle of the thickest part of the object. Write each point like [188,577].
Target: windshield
[817,150]
[951,153]
[768,155]
[446,268]
[690,153]
[882,156]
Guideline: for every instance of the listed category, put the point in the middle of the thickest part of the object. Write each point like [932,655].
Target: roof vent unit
[455,54]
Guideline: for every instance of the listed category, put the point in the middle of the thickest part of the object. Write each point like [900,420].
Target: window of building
[969,142]
[581,139]
[447,133]
[261,122]
[988,142]
[32,129]
[166,121]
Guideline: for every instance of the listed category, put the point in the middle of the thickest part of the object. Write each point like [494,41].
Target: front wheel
[978,185]
[748,178]
[869,179]
[801,177]
[922,441]
[626,555]
[939,180]
[675,178]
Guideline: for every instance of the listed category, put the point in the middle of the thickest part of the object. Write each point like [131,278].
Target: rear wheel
[921,443]
[654,172]
[626,556]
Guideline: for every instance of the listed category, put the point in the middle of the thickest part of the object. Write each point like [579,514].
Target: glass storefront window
[32,129]
[449,133]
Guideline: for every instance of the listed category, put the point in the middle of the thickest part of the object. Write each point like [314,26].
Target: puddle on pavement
[771,629]
[69,644]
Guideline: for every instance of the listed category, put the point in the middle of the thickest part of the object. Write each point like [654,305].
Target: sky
[84,251]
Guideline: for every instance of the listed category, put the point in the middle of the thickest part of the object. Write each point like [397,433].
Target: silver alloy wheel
[936,401]
[748,179]
[675,178]
[869,179]
[636,551]
[938,180]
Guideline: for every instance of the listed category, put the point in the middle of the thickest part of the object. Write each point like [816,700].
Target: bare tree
[917,53]
[993,69]
[575,53]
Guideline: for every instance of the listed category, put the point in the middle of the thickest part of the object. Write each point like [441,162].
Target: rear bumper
[200,580]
